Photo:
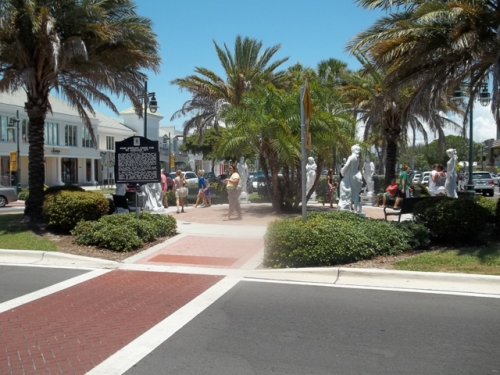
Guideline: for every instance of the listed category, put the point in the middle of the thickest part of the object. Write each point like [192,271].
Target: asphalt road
[16,281]
[266,328]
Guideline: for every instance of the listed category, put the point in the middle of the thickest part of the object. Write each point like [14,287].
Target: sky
[308,31]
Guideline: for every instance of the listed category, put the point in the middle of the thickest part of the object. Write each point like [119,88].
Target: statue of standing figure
[243,172]
[310,173]
[350,186]
[153,201]
[368,172]
[450,185]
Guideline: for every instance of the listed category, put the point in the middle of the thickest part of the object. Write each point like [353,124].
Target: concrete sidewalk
[206,244]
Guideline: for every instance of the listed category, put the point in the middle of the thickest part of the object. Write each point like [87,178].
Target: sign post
[137,161]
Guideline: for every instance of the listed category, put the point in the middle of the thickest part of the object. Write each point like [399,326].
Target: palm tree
[269,120]
[248,67]
[81,49]
[435,45]
[386,112]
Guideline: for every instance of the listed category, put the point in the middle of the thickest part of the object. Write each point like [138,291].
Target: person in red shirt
[390,192]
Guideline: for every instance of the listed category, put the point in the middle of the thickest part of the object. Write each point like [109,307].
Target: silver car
[483,183]
[7,195]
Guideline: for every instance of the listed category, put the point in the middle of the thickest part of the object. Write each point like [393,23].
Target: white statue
[243,172]
[153,201]
[368,172]
[450,185]
[310,173]
[350,186]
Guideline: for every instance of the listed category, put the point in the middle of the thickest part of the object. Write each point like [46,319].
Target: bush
[124,232]
[57,189]
[335,238]
[25,193]
[65,209]
[452,221]
[489,204]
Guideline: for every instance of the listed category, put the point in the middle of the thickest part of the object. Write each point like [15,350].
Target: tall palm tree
[435,45]
[81,49]
[248,67]
[386,112]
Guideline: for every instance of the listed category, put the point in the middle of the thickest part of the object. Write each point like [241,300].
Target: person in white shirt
[436,180]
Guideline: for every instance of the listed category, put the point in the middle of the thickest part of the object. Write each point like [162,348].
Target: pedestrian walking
[202,185]
[180,190]
[164,197]
[233,187]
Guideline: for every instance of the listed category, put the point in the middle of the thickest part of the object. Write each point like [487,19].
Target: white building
[70,154]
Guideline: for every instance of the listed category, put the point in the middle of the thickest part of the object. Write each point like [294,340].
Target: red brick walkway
[72,331]
[207,252]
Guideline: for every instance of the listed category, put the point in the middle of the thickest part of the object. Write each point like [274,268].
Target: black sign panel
[137,160]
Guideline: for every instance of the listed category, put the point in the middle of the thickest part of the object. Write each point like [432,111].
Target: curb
[393,279]
[53,258]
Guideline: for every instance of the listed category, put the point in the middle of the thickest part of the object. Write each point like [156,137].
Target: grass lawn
[256,198]
[483,260]
[17,237]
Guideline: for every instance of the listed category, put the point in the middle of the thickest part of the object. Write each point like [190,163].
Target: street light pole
[153,106]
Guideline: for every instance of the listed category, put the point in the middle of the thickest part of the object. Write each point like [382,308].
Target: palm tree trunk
[37,109]
[390,160]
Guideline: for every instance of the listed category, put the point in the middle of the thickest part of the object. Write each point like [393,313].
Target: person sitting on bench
[390,193]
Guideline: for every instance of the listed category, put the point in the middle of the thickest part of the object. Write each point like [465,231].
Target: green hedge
[124,232]
[452,221]
[65,209]
[332,238]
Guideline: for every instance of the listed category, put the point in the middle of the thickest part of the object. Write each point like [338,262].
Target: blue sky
[308,31]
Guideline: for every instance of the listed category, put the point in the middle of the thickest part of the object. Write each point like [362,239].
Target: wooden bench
[406,207]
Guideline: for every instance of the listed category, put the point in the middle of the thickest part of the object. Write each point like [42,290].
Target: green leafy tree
[81,49]
[247,67]
[434,45]
[387,112]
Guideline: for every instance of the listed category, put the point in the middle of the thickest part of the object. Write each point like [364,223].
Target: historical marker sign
[137,160]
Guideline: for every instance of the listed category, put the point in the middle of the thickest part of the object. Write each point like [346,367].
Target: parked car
[222,177]
[209,176]
[483,183]
[425,174]
[417,178]
[495,177]
[425,180]
[191,177]
[258,182]
[7,195]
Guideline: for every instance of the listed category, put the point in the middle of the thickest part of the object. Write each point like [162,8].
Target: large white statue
[368,172]
[153,201]
[243,172]
[450,185]
[310,173]
[350,186]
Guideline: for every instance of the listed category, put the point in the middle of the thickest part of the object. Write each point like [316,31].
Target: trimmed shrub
[56,189]
[335,238]
[65,209]
[123,232]
[419,236]
[451,220]
[25,193]
[489,204]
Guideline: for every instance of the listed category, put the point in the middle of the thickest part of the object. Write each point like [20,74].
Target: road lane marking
[131,354]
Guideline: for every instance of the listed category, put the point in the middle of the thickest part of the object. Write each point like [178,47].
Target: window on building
[51,133]
[70,135]
[110,143]
[6,134]
[24,130]
[87,138]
